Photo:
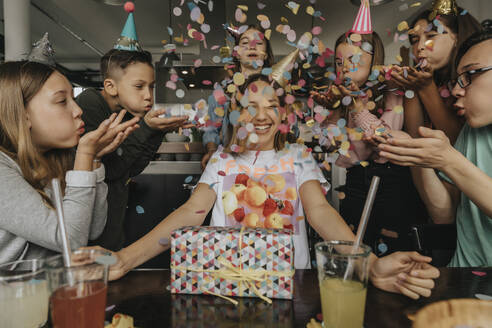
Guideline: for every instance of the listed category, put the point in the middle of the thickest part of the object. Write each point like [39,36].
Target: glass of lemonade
[23,294]
[342,300]
[78,293]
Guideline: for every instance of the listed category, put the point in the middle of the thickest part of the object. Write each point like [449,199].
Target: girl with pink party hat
[372,108]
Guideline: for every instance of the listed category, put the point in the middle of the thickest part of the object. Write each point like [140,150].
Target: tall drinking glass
[23,294]
[342,301]
[78,293]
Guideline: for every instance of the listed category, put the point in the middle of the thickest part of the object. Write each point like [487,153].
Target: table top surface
[144,294]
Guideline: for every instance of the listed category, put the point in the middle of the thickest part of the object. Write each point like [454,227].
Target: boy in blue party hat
[129,81]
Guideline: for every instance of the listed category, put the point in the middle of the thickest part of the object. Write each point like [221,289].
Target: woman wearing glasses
[462,188]
[435,37]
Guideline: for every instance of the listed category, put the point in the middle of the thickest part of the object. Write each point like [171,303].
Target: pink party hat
[363,23]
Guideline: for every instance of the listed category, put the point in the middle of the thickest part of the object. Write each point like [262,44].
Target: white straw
[55,184]
[361,230]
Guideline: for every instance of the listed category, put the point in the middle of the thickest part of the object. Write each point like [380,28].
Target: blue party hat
[128,39]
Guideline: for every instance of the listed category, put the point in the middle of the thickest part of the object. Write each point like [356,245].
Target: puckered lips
[460,110]
[80,129]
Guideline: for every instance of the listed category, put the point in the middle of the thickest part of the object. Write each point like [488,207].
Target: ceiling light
[191,85]
[184,72]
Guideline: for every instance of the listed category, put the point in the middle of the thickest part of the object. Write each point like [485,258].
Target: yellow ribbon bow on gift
[249,276]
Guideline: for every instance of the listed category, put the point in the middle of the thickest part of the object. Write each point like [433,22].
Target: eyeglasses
[464,79]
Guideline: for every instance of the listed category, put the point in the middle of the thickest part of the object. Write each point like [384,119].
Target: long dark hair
[473,40]
[461,25]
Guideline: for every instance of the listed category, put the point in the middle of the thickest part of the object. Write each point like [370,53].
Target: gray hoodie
[29,229]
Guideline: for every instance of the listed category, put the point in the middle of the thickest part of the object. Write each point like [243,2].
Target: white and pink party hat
[363,23]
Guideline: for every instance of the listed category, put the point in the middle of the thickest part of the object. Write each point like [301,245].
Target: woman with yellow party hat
[435,36]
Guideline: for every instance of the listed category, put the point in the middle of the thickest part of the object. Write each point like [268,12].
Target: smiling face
[252,49]
[134,88]
[436,48]
[262,98]
[474,101]
[351,62]
[54,118]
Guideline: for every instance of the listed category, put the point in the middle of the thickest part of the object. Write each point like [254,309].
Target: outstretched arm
[191,213]
[407,273]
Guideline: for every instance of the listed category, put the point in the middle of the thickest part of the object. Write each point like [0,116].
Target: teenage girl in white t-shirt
[260,181]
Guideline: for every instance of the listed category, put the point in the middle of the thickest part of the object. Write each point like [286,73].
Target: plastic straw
[55,184]
[366,212]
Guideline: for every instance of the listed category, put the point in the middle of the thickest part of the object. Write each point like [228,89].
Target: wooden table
[144,295]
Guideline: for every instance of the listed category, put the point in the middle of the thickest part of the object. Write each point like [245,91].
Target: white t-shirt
[261,189]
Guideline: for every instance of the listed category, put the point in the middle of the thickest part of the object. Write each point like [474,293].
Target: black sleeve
[93,113]
[134,154]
